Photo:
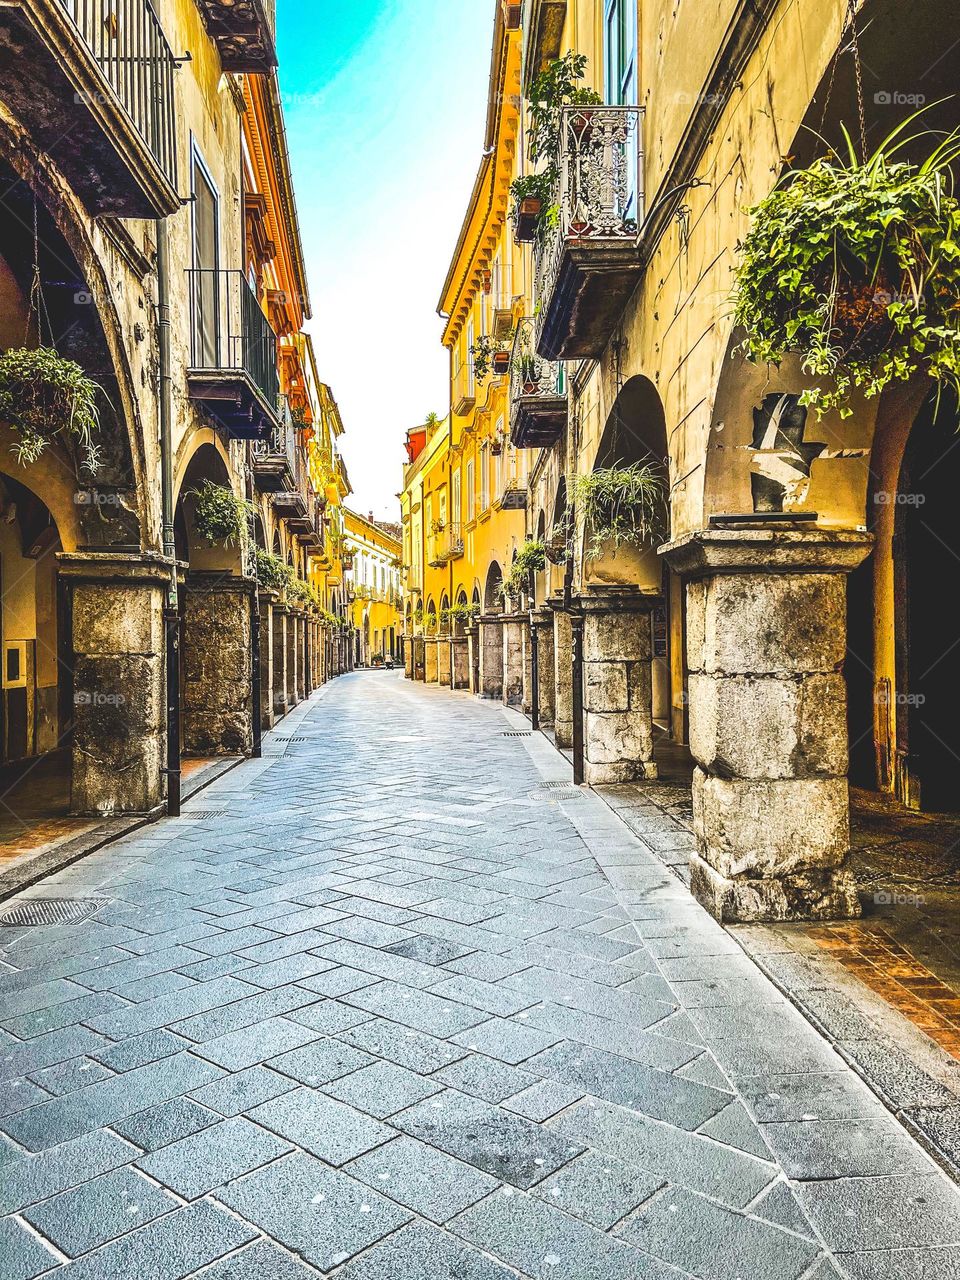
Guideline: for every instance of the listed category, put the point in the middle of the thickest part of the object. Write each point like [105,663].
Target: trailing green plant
[437,526]
[855,265]
[555,87]
[430,621]
[460,613]
[220,516]
[482,351]
[622,506]
[271,570]
[536,186]
[42,396]
[299,591]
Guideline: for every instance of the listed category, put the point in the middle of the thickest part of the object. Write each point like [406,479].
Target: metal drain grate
[196,815]
[289,739]
[517,733]
[554,786]
[39,911]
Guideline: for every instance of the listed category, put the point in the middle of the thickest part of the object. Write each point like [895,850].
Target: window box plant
[855,266]
[43,396]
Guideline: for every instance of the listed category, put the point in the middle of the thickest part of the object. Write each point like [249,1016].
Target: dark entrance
[927,576]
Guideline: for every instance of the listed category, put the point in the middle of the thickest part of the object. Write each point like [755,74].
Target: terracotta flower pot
[501,362]
[527,216]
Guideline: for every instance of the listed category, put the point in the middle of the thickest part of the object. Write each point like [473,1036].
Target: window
[484,479]
[206,260]
[620,78]
[468,358]
[456,510]
[471,491]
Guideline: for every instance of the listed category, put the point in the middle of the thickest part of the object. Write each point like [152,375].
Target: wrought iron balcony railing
[588,263]
[93,82]
[233,353]
[538,394]
[453,542]
[275,457]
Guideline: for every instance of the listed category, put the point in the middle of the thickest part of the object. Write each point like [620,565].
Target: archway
[216,621]
[492,597]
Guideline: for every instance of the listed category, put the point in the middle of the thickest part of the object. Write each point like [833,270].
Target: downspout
[171,610]
[256,659]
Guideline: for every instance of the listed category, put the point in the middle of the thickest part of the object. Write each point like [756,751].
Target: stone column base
[431,662]
[799,895]
[546,676]
[460,662]
[281,702]
[491,657]
[513,655]
[217,666]
[563,674]
[444,662]
[617,695]
[267,713]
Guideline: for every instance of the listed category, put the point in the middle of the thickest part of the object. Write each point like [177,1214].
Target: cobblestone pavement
[394,1003]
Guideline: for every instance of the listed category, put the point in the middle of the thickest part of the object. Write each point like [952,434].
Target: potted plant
[42,396]
[219,516]
[532,194]
[855,266]
[489,356]
[501,363]
[620,505]
[529,374]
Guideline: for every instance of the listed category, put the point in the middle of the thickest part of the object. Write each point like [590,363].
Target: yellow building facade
[370,555]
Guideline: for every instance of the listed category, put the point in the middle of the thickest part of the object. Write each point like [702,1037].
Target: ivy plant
[620,506]
[220,516]
[855,265]
[42,396]
[271,570]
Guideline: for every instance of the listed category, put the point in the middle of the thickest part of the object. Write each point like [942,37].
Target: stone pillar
[431,664]
[267,714]
[542,620]
[115,616]
[491,656]
[563,676]
[473,658]
[408,657]
[459,662]
[513,628]
[766,642]
[444,662]
[419,657]
[281,702]
[217,693]
[291,665]
[526,668]
[617,703]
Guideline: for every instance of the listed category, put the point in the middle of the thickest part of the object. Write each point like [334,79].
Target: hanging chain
[858,76]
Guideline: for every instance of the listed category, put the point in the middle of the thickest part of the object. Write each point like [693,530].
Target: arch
[78,315]
[764,451]
[206,462]
[492,599]
[37,661]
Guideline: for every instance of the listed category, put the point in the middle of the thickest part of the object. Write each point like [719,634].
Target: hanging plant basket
[219,516]
[43,396]
[621,506]
[496,448]
[855,266]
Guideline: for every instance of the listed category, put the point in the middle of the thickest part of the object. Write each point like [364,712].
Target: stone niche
[217,666]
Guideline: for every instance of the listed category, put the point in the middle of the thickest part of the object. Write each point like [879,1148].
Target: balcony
[513,495]
[275,458]
[588,265]
[92,82]
[538,396]
[464,387]
[233,354]
[445,545]
[298,505]
[244,32]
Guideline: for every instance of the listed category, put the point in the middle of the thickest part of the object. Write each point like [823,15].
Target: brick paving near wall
[383,1006]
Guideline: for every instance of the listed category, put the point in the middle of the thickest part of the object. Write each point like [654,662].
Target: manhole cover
[37,911]
[517,733]
[197,815]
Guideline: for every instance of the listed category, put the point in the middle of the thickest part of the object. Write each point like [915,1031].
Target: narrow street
[396,1003]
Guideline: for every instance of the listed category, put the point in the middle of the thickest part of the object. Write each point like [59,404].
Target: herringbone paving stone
[399,1012]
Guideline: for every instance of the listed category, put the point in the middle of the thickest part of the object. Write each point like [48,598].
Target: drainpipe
[576,650]
[255,657]
[171,610]
[534,657]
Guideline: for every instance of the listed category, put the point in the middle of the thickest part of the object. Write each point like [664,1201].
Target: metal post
[171,610]
[257,676]
[576,646]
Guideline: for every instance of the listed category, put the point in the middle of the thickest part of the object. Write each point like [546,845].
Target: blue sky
[385,103]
